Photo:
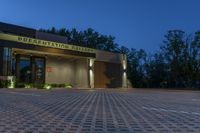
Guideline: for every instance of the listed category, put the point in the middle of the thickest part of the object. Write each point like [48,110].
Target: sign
[44,43]
[49,69]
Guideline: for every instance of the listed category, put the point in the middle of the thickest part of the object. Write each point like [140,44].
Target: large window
[24,70]
[7,61]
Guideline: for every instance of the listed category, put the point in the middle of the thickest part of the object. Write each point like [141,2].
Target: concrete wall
[81,74]
[113,68]
[62,70]
[107,75]
[108,57]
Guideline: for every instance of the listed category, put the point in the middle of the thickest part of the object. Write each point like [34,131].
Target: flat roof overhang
[17,51]
[5,41]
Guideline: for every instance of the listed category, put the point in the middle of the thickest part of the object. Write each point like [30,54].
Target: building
[36,57]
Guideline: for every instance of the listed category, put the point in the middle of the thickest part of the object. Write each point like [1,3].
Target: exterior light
[47,86]
[124,64]
[11,85]
[91,62]
[124,69]
[11,82]
[90,67]
[91,72]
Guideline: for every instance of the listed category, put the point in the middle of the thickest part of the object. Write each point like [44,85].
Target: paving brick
[101,111]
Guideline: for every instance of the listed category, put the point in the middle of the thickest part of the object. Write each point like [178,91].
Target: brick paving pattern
[99,111]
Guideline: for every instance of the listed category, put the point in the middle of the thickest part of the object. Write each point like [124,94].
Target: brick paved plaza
[70,111]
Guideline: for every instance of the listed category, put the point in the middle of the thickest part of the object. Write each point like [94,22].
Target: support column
[1,61]
[91,73]
[17,67]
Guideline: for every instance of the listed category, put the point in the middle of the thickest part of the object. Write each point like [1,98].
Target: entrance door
[24,74]
[30,69]
[38,70]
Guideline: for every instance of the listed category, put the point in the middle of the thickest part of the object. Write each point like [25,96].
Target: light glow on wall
[12,85]
[12,82]
[124,75]
[91,62]
[124,64]
[91,72]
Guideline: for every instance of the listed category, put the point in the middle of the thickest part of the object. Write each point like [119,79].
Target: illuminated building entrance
[29,69]
[31,56]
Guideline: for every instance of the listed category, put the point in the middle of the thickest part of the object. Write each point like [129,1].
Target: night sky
[134,23]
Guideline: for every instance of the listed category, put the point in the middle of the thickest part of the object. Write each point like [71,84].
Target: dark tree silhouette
[177,64]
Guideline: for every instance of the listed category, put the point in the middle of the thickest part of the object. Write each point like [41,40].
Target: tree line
[175,65]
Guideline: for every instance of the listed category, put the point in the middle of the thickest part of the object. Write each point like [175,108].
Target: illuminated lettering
[33,41]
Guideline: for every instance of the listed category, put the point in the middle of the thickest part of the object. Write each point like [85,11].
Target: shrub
[54,85]
[39,86]
[68,86]
[3,83]
[62,85]
[47,86]
[28,85]
[43,86]
[6,84]
[20,85]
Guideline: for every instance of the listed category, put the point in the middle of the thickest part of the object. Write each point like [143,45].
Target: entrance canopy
[35,67]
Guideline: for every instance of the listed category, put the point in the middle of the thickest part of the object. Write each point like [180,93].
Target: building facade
[36,57]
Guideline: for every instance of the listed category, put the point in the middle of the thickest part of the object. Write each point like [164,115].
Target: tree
[194,60]
[136,69]
[177,64]
[87,38]
[173,50]
[156,71]
[181,54]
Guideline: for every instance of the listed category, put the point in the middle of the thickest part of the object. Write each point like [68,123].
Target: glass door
[24,70]
[30,69]
[38,70]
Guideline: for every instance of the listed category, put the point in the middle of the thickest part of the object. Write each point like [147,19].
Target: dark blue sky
[134,23]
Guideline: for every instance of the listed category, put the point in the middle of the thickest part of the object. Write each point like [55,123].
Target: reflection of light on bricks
[19,93]
[174,111]
[96,110]
[197,100]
